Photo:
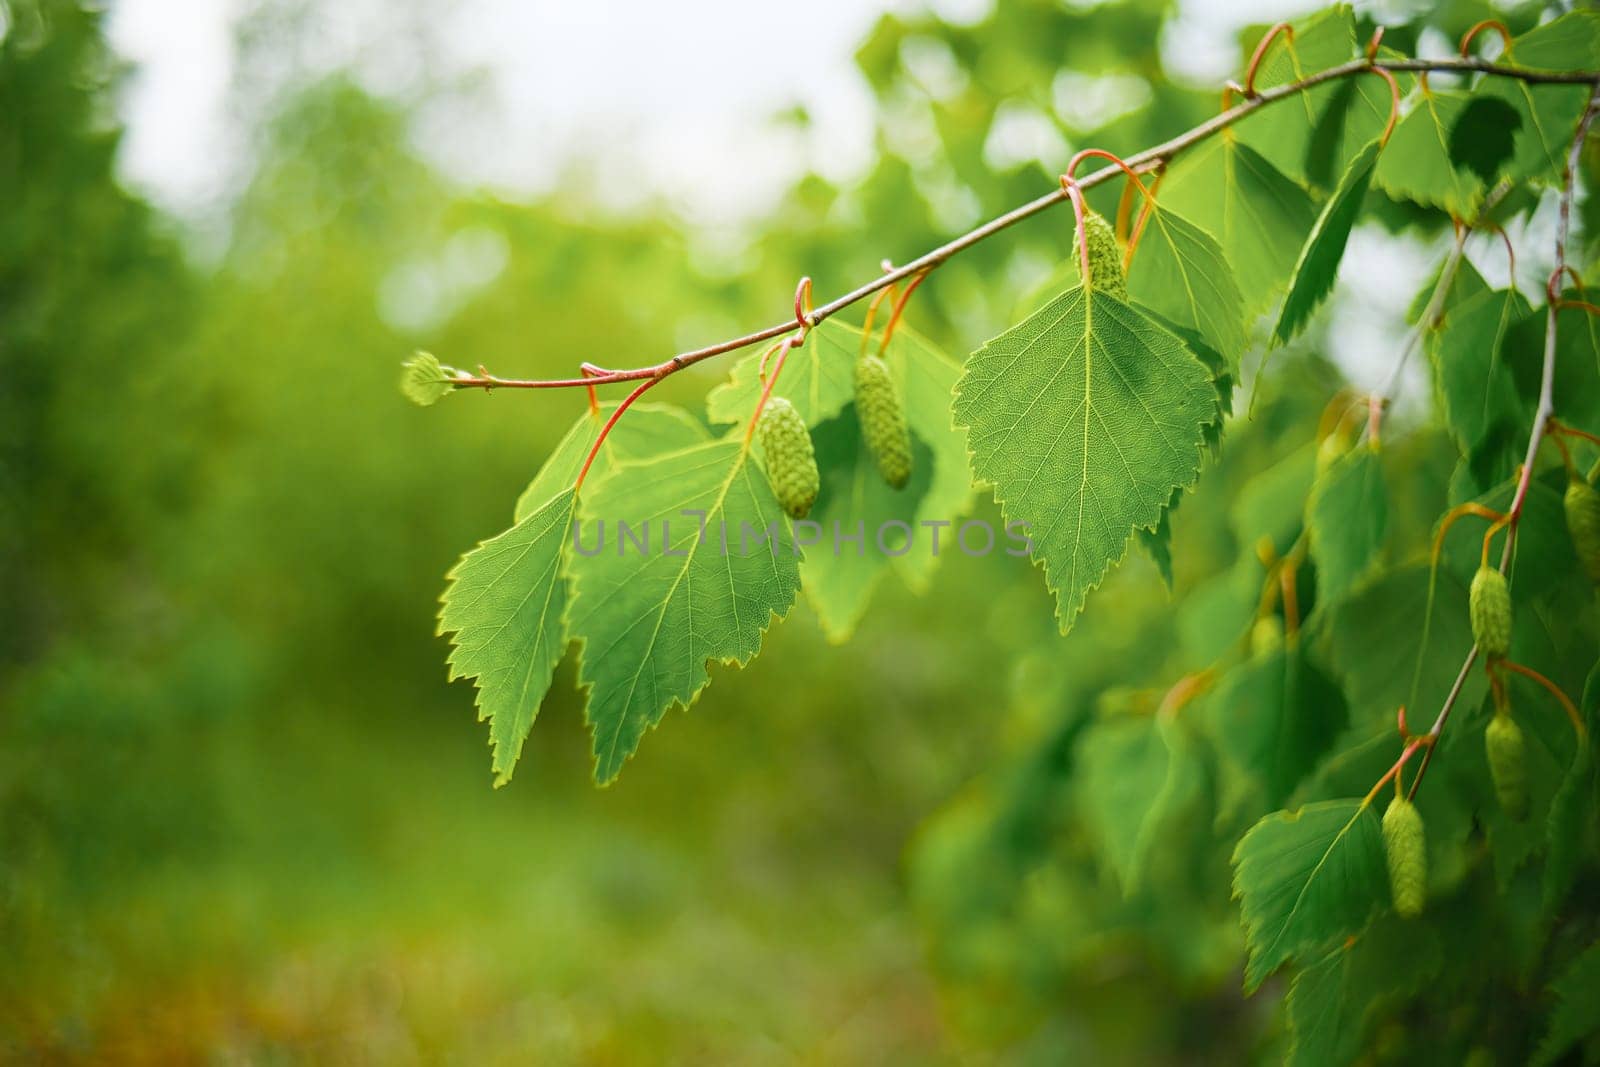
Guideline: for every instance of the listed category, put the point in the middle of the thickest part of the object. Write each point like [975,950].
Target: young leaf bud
[424,381]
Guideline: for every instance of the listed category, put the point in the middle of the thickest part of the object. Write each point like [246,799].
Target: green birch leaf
[818,378]
[1466,283]
[1318,266]
[1218,612]
[1157,541]
[505,600]
[1577,992]
[1304,878]
[721,564]
[1273,503]
[1084,417]
[1357,113]
[644,431]
[1260,217]
[504,607]
[1418,165]
[1347,516]
[1179,271]
[1375,635]
[1471,366]
[1332,999]
[1572,813]
[1571,829]
[1271,720]
[1548,114]
[840,576]
[1544,559]
[1547,117]
[1571,42]
[1577,379]
[1283,133]
[1138,775]
[1361,755]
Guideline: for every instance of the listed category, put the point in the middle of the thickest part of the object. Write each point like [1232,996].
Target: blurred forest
[242,815]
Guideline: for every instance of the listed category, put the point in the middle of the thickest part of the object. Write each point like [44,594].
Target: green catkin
[791,462]
[1490,608]
[883,420]
[1266,636]
[1105,256]
[1405,847]
[1508,767]
[1582,505]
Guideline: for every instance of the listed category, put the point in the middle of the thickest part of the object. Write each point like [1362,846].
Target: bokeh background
[242,815]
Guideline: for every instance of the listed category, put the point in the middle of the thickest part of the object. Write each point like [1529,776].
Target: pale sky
[670,85]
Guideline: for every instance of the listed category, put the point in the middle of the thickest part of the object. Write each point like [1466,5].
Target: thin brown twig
[1151,156]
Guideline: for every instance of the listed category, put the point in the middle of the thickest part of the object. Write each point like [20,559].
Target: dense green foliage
[1144,796]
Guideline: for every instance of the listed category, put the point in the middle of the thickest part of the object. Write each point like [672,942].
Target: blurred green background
[243,817]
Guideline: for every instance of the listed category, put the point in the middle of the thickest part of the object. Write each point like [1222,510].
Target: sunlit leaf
[1283,133]
[1259,217]
[504,607]
[1418,164]
[1179,271]
[1548,114]
[1347,517]
[721,564]
[1084,417]
[818,378]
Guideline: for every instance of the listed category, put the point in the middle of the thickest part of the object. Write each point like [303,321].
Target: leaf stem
[1554,690]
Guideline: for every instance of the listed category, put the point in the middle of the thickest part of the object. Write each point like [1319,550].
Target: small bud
[423,380]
